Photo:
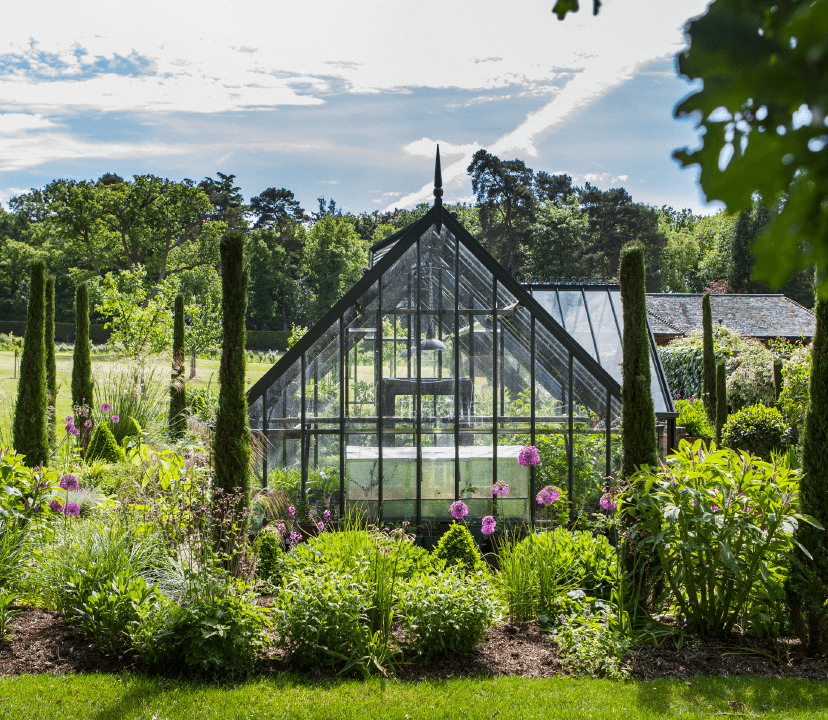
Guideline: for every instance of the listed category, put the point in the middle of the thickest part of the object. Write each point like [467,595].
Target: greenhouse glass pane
[606,331]
[575,319]
[548,300]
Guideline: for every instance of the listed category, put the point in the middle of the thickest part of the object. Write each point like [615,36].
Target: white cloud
[8,193]
[15,122]
[329,182]
[606,179]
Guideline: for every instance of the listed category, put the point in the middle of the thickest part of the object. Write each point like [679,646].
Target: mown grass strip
[102,697]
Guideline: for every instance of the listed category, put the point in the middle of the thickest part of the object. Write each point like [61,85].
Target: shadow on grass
[714,694]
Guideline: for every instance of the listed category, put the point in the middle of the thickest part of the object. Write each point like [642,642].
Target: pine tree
[231,437]
[30,430]
[639,444]
[810,580]
[82,359]
[777,377]
[708,360]
[51,366]
[721,400]
[178,399]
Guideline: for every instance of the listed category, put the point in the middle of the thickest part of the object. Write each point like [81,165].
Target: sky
[346,100]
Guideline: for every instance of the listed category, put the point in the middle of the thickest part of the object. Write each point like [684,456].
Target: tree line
[165,235]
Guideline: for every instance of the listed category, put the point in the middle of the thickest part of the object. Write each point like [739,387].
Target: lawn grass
[101,366]
[107,697]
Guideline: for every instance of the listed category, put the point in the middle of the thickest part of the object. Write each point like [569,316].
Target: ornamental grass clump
[721,524]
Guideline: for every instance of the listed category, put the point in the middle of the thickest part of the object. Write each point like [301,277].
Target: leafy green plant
[591,647]
[693,417]
[457,548]
[721,524]
[796,378]
[756,429]
[134,395]
[106,611]
[269,553]
[7,612]
[447,612]
[202,402]
[218,635]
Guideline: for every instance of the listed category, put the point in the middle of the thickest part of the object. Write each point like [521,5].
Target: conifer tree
[777,377]
[708,361]
[721,400]
[51,366]
[81,358]
[231,437]
[178,399]
[810,579]
[30,431]
[639,443]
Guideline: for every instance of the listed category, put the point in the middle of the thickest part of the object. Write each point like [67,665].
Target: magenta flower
[69,419]
[56,506]
[459,510]
[106,407]
[88,424]
[607,502]
[282,529]
[292,512]
[320,526]
[500,488]
[548,495]
[489,525]
[327,516]
[69,483]
[75,431]
[72,509]
[529,456]
[70,427]
[115,419]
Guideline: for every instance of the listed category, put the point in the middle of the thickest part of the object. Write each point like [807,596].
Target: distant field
[102,365]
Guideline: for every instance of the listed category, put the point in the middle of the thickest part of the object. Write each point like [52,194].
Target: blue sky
[345,100]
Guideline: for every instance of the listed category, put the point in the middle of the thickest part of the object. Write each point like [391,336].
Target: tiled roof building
[763,317]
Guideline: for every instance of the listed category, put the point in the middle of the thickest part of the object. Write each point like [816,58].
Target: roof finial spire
[438,190]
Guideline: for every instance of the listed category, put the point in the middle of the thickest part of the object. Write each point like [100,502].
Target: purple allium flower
[327,516]
[607,502]
[56,506]
[489,525]
[88,424]
[500,488]
[320,526]
[75,431]
[69,429]
[106,407]
[116,419]
[548,495]
[282,529]
[529,456]
[72,509]
[69,482]
[292,512]
[459,510]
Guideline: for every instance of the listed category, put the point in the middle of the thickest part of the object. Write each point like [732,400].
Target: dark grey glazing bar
[264,438]
[591,331]
[378,379]
[456,351]
[343,408]
[570,449]
[532,490]
[494,381]
[303,450]
[419,400]
[608,422]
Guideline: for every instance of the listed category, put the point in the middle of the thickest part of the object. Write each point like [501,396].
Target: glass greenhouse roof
[592,315]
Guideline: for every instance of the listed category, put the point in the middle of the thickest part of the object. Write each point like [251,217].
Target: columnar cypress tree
[721,400]
[708,360]
[178,400]
[231,437]
[30,431]
[51,366]
[639,444]
[777,377]
[812,574]
[81,358]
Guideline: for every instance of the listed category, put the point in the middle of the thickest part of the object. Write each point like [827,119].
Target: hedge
[98,334]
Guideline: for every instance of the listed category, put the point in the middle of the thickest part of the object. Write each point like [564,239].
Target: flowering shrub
[720,524]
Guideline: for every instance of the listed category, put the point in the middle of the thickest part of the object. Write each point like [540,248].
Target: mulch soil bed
[40,642]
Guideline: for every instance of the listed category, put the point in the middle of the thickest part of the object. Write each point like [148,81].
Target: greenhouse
[423,383]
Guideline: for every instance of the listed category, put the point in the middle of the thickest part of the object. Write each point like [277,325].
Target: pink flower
[529,456]
[115,419]
[106,407]
[500,488]
[320,526]
[69,483]
[56,506]
[327,516]
[292,512]
[459,510]
[548,495]
[88,424]
[72,509]
[607,502]
[489,525]
[282,529]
